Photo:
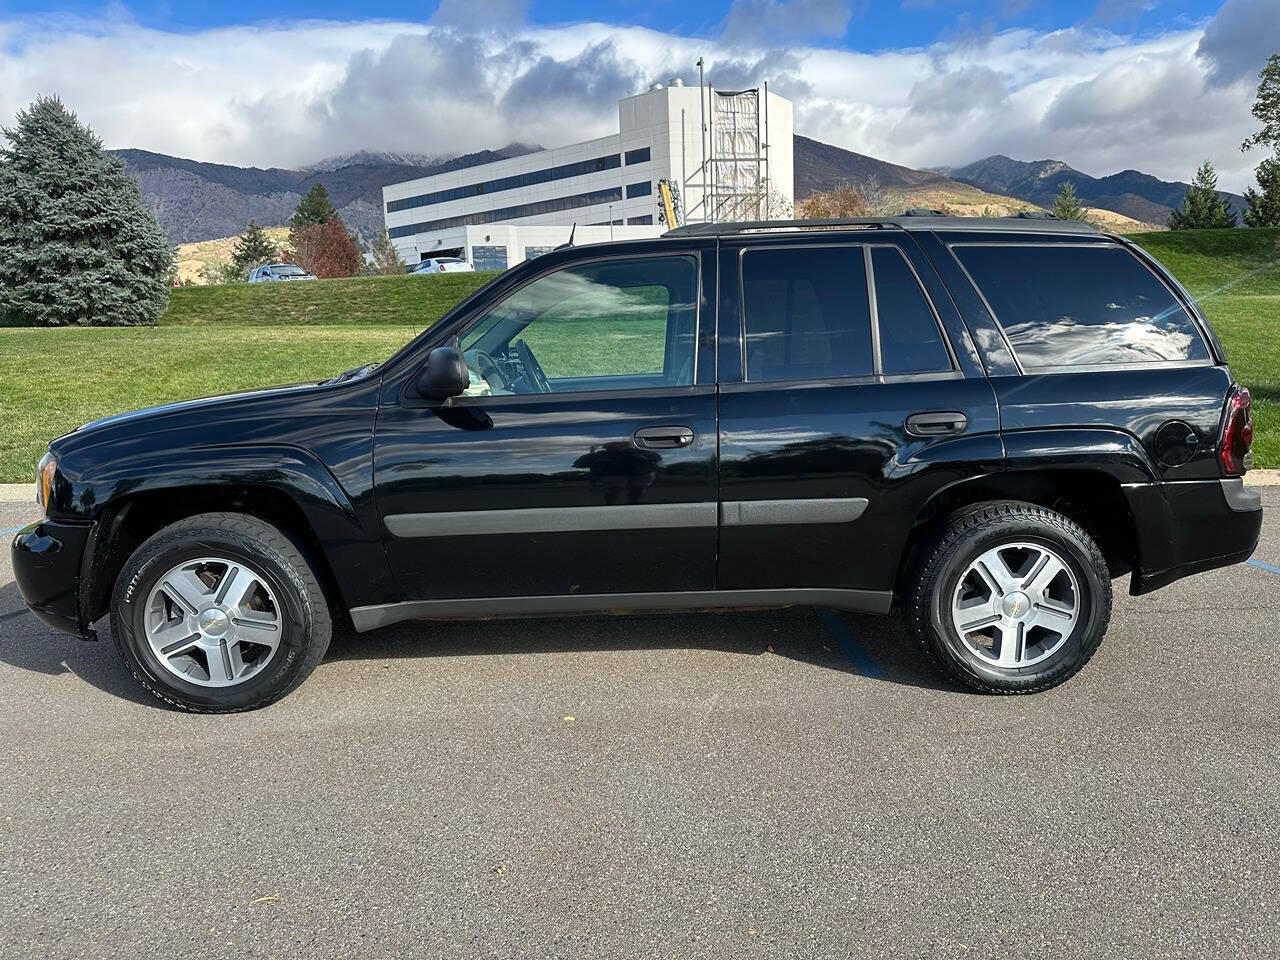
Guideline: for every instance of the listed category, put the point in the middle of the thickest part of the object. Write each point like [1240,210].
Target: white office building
[726,156]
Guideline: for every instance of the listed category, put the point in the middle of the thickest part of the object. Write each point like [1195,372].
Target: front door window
[608,325]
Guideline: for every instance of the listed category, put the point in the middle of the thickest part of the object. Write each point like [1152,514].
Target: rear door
[850,394]
[583,458]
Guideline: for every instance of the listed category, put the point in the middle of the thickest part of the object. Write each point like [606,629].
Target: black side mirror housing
[445,374]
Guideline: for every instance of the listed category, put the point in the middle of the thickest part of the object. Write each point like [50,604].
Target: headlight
[44,479]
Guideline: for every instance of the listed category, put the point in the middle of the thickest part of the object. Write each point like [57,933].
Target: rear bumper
[1189,527]
[47,560]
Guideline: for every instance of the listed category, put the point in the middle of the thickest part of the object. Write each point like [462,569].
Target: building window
[531,253]
[640,155]
[515,182]
[554,205]
[642,189]
[489,258]
[646,220]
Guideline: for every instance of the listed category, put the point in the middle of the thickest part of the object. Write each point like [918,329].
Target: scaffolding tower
[737,161]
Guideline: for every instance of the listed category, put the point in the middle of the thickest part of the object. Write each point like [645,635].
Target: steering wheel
[532,369]
[489,370]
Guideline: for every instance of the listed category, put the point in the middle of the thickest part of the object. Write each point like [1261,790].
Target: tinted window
[489,258]
[619,324]
[910,341]
[1068,306]
[640,155]
[642,189]
[806,313]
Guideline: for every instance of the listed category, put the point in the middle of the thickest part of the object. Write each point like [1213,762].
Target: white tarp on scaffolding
[737,178]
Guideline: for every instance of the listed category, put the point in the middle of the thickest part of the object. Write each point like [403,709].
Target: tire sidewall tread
[931,574]
[264,546]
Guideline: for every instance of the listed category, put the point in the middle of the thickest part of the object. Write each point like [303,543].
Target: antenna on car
[569,243]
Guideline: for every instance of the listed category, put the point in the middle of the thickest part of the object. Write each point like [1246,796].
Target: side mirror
[445,374]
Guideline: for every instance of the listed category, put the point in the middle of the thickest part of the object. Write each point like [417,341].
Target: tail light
[1236,444]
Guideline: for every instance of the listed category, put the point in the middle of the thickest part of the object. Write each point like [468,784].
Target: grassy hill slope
[1235,277]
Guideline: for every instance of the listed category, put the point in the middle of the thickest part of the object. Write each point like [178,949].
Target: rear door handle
[663,438]
[936,423]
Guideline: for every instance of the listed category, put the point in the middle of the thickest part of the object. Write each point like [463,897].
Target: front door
[581,461]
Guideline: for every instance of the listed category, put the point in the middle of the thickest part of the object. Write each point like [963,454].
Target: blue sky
[1105,85]
[872,26]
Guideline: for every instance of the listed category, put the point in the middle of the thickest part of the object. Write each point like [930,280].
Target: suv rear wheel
[218,613]
[1008,597]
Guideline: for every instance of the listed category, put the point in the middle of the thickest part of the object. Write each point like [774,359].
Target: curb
[25,492]
[18,493]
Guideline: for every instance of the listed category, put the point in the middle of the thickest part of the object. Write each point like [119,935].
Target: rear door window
[806,313]
[910,339]
[1069,306]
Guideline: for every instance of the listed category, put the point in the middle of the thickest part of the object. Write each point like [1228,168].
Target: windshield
[288,270]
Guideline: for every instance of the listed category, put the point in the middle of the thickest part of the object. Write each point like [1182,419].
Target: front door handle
[936,423]
[663,438]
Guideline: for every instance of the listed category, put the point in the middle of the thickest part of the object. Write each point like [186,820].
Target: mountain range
[197,201]
[1129,192]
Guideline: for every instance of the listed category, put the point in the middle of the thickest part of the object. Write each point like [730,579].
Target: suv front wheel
[218,613]
[1008,597]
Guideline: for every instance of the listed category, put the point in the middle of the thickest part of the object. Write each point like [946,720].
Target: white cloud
[290,93]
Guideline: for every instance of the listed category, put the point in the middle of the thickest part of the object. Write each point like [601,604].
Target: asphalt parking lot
[789,783]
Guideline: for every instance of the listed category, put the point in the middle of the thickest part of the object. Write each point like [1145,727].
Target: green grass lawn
[406,301]
[219,339]
[1235,277]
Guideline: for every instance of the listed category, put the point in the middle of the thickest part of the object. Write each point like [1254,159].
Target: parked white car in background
[272,272]
[444,265]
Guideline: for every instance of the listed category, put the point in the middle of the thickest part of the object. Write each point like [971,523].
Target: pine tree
[77,244]
[1067,206]
[1203,208]
[252,249]
[386,261]
[1262,206]
[315,207]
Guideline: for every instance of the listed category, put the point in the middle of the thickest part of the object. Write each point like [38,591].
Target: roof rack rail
[921,212]
[918,219]
[755,226]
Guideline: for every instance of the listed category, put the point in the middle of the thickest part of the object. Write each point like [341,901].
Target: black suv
[982,420]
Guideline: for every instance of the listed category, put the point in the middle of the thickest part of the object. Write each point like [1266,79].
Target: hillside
[197,201]
[1131,193]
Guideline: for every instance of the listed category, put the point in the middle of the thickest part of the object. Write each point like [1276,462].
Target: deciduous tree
[326,249]
[386,261]
[77,244]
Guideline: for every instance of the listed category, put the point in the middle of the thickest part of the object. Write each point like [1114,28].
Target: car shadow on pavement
[876,647]
[28,644]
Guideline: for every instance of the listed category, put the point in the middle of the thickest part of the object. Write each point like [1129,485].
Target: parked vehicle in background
[980,421]
[274,272]
[444,265]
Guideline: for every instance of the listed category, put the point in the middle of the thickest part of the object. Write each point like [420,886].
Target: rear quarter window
[1068,306]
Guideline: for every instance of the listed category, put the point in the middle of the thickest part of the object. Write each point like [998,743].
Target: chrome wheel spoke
[235,586]
[1012,636]
[1043,573]
[186,589]
[219,658]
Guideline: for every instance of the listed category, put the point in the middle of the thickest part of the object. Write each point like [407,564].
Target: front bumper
[47,562]
[1191,526]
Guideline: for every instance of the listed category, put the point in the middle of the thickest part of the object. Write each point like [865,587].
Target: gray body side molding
[860,601]
[634,516]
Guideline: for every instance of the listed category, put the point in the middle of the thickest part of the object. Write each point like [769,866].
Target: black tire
[305,616]
[939,562]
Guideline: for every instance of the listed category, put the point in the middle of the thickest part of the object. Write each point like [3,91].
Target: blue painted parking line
[849,645]
[1270,568]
